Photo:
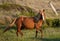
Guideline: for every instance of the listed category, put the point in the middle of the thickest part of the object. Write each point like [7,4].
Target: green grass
[50,34]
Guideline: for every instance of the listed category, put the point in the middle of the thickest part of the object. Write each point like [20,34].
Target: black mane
[37,17]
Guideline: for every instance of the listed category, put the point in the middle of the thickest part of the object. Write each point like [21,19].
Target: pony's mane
[37,17]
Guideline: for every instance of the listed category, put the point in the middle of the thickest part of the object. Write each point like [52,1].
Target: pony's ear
[43,10]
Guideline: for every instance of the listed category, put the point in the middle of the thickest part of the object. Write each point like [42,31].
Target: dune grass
[50,34]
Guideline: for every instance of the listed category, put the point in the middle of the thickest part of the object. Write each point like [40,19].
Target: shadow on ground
[45,39]
[55,39]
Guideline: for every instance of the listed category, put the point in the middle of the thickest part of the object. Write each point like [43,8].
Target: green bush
[49,22]
[56,22]
[44,26]
[53,22]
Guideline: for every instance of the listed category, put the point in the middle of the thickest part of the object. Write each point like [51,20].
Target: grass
[50,34]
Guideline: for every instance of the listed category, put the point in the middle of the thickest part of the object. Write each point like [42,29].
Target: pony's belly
[28,23]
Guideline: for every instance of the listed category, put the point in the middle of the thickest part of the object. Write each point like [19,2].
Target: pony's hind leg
[7,28]
[19,29]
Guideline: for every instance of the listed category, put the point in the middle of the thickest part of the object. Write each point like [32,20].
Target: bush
[44,26]
[56,23]
[49,22]
[53,22]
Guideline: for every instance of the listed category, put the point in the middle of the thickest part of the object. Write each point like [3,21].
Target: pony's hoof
[21,34]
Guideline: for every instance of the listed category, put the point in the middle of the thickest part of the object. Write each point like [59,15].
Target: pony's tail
[10,25]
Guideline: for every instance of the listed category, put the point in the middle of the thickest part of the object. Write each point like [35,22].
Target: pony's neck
[37,17]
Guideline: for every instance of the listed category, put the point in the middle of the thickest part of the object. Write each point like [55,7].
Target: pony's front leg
[36,30]
[39,28]
[41,33]
[36,33]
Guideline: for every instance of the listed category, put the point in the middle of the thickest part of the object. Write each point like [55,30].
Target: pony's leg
[36,30]
[40,28]
[7,28]
[36,33]
[41,33]
[19,29]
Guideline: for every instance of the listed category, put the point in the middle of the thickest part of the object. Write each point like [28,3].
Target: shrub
[49,22]
[56,23]
[53,22]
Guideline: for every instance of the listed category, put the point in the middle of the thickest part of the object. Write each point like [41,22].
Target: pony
[29,23]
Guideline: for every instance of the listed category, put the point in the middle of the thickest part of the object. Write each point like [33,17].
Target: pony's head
[42,11]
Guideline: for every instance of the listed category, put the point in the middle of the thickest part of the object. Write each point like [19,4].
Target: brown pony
[29,22]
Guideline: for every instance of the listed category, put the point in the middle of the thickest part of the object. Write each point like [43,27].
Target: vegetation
[50,34]
[53,22]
